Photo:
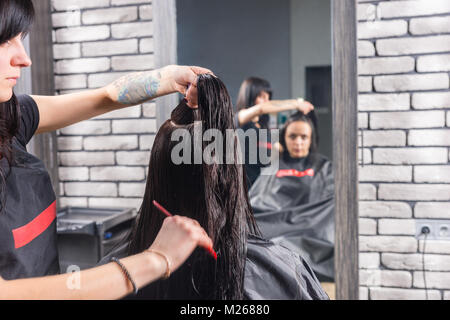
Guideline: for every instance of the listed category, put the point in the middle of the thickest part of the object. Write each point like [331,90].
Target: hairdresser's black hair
[213,194]
[16,17]
[249,91]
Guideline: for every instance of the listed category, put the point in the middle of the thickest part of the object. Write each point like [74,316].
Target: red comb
[168,214]
[161,208]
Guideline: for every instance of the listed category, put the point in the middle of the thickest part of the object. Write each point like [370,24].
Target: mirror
[288,43]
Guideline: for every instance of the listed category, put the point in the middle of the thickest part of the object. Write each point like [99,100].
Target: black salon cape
[272,272]
[28,245]
[294,206]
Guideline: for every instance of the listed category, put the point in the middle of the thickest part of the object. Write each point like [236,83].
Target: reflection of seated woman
[294,203]
[254,105]
[214,194]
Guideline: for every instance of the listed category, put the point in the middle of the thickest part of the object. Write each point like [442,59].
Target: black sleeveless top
[28,246]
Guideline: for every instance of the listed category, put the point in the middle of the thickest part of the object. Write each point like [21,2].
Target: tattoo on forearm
[137,88]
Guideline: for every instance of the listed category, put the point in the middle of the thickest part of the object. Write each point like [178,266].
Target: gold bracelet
[167,273]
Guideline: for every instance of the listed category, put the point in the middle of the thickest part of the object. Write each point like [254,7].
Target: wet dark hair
[249,91]
[300,116]
[213,194]
[16,17]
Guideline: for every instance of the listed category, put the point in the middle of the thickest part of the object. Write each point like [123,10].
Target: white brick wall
[394,9]
[411,82]
[403,103]
[385,65]
[421,26]
[432,210]
[382,102]
[413,45]
[384,209]
[431,100]
[103,161]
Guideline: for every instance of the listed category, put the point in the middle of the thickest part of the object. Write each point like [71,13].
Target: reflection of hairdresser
[213,193]
[254,105]
[294,203]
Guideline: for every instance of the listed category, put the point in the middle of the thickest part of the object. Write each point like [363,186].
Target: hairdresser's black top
[28,245]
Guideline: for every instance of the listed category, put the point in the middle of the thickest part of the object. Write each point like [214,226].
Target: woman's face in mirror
[298,139]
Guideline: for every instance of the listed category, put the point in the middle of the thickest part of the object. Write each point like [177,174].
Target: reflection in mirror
[270,53]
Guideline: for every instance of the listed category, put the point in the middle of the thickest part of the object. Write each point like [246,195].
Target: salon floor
[330,289]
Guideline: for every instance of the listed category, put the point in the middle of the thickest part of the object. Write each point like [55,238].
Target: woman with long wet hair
[215,194]
[28,246]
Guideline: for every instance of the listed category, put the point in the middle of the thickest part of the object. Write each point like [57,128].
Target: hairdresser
[28,246]
[254,105]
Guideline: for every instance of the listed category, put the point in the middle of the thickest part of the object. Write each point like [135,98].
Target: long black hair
[249,91]
[16,17]
[214,194]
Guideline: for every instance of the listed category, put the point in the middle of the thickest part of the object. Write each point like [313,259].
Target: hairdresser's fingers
[196,225]
[181,77]
[193,221]
[195,72]
[197,232]
[306,107]
[178,238]
[192,96]
[203,240]
[200,70]
[190,74]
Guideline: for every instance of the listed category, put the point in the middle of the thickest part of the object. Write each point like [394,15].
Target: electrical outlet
[439,229]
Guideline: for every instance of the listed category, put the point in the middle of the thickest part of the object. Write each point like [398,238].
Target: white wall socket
[439,229]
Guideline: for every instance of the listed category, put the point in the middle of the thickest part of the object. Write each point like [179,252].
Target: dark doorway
[318,92]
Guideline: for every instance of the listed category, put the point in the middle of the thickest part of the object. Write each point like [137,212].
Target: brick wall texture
[103,162]
[404,169]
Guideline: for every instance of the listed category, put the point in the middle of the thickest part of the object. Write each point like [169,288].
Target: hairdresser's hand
[304,106]
[138,87]
[184,78]
[178,238]
[192,96]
